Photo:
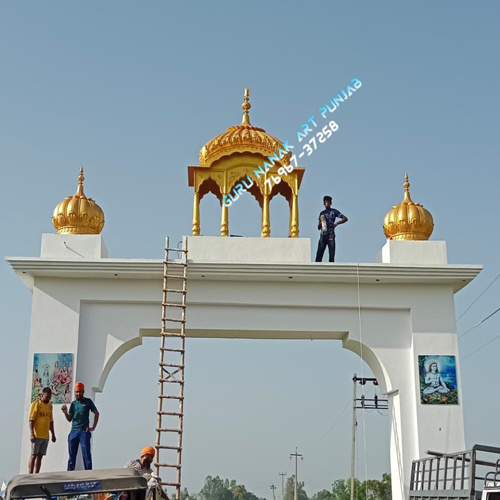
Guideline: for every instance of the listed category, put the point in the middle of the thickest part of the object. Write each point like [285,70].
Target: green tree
[323,495]
[241,493]
[341,489]
[371,489]
[186,496]
[379,490]
[290,490]
[216,489]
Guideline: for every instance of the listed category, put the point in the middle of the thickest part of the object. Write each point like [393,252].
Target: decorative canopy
[227,169]
[78,214]
[408,220]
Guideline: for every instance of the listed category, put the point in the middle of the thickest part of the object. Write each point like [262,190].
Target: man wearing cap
[327,226]
[143,465]
[78,415]
[40,421]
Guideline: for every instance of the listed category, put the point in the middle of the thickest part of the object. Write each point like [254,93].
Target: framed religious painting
[438,380]
[53,370]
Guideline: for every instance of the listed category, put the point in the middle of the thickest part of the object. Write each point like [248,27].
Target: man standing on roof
[81,431]
[41,421]
[143,465]
[327,226]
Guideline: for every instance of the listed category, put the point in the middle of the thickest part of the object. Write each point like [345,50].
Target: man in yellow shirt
[41,421]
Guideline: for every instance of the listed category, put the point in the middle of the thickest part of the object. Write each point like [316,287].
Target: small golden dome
[408,220]
[78,214]
[240,139]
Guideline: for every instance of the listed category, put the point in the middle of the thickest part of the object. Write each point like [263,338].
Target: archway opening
[245,213]
[248,404]
[210,208]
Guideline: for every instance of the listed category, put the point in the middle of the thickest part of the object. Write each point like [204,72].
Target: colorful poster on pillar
[54,370]
[438,380]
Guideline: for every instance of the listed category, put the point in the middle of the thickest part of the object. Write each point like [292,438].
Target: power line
[479,296]
[479,348]
[349,401]
[480,323]
[354,424]
[362,376]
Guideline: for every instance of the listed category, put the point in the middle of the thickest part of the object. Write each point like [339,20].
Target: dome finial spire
[246,106]
[81,178]
[406,185]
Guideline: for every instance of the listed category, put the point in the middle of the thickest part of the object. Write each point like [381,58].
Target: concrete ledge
[414,252]
[249,250]
[73,246]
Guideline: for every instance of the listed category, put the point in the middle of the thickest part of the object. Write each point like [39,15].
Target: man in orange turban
[78,415]
[143,466]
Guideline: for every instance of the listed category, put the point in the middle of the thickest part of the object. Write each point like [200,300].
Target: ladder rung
[174,320]
[171,350]
[175,249]
[171,397]
[165,429]
[169,484]
[172,304]
[173,290]
[171,366]
[165,447]
[176,466]
[172,334]
[170,381]
[174,276]
[171,413]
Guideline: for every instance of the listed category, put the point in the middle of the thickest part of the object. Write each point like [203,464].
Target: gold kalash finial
[226,169]
[81,178]
[406,185]
[78,214]
[246,108]
[408,220]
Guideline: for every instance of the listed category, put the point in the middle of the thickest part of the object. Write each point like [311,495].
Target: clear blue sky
[132,90]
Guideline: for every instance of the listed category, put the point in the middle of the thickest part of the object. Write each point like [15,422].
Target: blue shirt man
[327,226]
[78,415]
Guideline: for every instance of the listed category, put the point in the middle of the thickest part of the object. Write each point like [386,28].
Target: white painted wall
[100,318]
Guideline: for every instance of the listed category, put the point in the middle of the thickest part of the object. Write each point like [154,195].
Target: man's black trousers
[324,240]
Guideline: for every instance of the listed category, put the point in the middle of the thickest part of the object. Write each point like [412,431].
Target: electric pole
[283,475]
[353,450]
[273,488]
[374,403]
[296,490]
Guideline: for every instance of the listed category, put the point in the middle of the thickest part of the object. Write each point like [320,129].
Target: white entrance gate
[389,313]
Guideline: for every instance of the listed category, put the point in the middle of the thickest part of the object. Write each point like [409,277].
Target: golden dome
[242,138]
[78,214]
[408,220]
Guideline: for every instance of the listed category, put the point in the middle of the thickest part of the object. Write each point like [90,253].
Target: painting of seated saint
[438,379]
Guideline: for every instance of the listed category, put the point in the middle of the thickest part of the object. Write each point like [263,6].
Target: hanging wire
[479,296]
[479,348]
[179,249]
[362,376]
[349,402]
[480,323]
[341,433]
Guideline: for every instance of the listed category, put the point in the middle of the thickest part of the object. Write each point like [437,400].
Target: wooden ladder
[171,375]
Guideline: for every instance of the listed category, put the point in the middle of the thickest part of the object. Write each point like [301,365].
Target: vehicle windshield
[123,495]
[94,496]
